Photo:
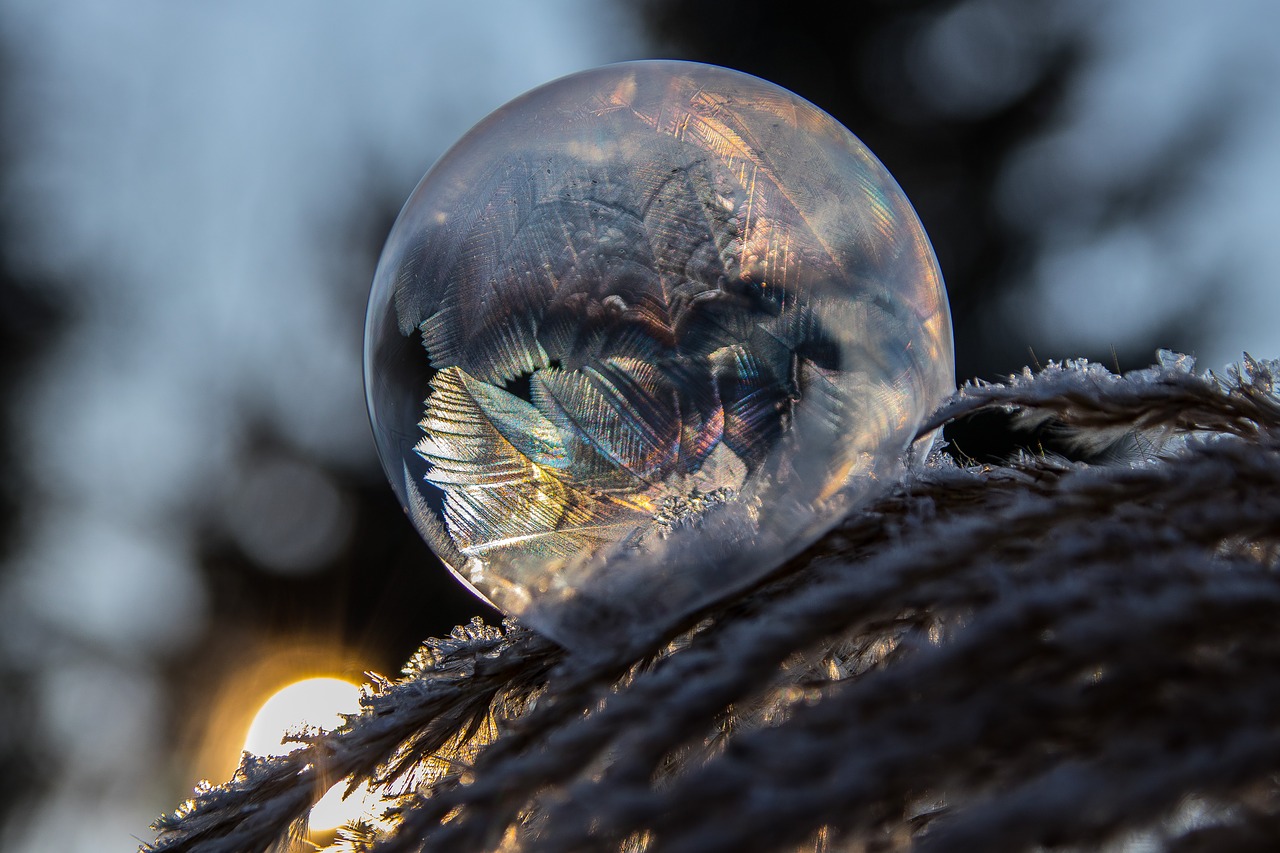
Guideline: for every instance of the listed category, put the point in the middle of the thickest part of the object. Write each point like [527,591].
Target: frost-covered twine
[1037,654]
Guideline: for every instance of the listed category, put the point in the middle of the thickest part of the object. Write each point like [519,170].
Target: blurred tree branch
[1042,653]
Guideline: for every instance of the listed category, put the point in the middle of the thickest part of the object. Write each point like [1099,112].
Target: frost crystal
[643,333]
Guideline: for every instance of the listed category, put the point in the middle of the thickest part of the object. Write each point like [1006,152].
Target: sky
[191,176]
[1183,76]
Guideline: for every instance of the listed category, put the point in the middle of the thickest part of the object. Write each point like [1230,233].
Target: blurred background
[192,200]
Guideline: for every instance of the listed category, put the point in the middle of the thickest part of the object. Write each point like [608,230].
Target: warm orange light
[306,703]
[311,702]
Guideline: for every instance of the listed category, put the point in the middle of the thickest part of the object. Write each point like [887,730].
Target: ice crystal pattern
[642,333]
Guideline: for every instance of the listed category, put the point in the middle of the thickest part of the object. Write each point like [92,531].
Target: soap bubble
[641,335]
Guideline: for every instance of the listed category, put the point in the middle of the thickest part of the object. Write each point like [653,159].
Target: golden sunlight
[306,703]
[311,702]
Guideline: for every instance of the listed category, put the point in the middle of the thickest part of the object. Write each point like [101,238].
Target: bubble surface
[642,334]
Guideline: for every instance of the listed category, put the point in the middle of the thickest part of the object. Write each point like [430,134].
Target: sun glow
[317,702]
[312,702]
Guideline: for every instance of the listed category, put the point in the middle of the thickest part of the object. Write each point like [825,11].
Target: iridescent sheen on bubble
[643,333]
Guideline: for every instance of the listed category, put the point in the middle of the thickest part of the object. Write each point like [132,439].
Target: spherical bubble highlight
[642,334]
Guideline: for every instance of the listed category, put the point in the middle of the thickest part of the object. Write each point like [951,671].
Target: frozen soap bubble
[642,334]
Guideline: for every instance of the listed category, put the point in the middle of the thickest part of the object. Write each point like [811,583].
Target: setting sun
[312,702]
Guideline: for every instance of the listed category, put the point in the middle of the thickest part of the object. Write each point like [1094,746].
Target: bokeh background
[192,200]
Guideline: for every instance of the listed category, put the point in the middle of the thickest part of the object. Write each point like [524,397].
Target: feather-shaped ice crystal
[643,333]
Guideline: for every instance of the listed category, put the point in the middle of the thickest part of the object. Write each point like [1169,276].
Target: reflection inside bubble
[650,310]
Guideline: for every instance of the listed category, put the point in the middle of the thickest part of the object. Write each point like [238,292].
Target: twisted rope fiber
[1041,653]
